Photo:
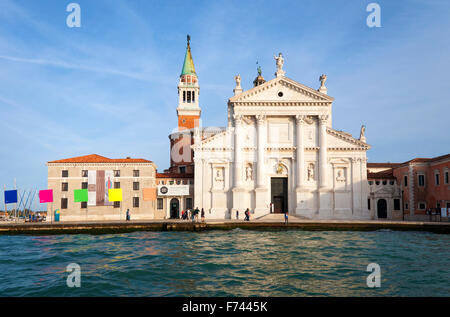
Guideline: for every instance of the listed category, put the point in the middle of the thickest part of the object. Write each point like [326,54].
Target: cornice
[282,103]
[98,164]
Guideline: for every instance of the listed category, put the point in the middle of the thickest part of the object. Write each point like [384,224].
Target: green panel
[80,195]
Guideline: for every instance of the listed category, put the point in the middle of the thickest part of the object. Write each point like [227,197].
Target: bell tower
[188,110]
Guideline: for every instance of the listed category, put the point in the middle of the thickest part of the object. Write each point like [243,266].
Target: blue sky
[110,87]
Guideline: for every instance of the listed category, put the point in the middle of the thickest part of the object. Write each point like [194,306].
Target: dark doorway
[174,208]
[279,194]
[382,208]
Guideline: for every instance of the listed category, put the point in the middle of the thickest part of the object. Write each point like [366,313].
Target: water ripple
[227,263]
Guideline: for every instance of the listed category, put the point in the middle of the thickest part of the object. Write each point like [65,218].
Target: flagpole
[15,187]
[4,190]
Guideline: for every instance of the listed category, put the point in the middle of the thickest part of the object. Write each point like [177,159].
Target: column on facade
[198,181]
[300,120]
[323,150]
[238,151]
[262,133]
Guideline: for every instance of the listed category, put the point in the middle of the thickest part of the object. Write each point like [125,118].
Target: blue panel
[10,196]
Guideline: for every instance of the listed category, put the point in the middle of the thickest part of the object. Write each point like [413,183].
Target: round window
[164,190]
[280,94]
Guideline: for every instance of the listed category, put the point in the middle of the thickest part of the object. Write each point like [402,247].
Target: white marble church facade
[280,153]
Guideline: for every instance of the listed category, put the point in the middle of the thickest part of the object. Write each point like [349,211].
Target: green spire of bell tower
[188,66]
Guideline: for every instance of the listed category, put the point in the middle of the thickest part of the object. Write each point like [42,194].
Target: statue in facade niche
[340,176]
[219,175]
[249,173]
[311,172]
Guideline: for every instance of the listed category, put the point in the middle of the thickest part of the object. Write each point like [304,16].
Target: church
[278,153]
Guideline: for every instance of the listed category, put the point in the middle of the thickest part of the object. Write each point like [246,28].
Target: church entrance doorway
[279,194]
[382,208]
[174,208]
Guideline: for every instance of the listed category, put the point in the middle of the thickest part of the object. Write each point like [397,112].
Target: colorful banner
[99,184]
[108,185]
[46,196]
[80,195]
[115,194]
[149,194]
[92,180]
[100,188]
[10,196]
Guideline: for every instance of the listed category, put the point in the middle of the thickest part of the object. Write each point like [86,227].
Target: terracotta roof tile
[388,174]
[415,160]
[94,158]
[390,165]
[174,175]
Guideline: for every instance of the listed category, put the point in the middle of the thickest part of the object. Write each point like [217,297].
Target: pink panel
[46,196]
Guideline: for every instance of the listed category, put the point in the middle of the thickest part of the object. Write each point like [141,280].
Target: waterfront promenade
[101,227]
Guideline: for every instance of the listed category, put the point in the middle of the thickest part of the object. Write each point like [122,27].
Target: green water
[227,263]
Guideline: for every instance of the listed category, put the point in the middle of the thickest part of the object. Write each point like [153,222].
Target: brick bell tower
[188,112]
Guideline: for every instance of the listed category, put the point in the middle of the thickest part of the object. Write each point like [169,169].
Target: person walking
[247,215]
[286,218]
[128,215]
[237,214]
[203,215]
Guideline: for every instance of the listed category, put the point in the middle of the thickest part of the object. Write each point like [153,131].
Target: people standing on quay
[128,215]
[195,214]
[203,215]
[286,218]
[237,214]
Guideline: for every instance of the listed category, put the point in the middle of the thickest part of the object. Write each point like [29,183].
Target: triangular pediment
[281,90]
[340,140]
[219,141]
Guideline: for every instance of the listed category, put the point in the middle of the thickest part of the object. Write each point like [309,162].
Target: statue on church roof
[238,81]
[322,88]
[280,62]
[323,79]
[362,133]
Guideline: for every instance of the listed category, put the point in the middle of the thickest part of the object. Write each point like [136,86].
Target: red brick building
[424,184]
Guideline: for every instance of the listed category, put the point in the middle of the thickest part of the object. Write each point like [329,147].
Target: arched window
[188,96]
[437,177]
